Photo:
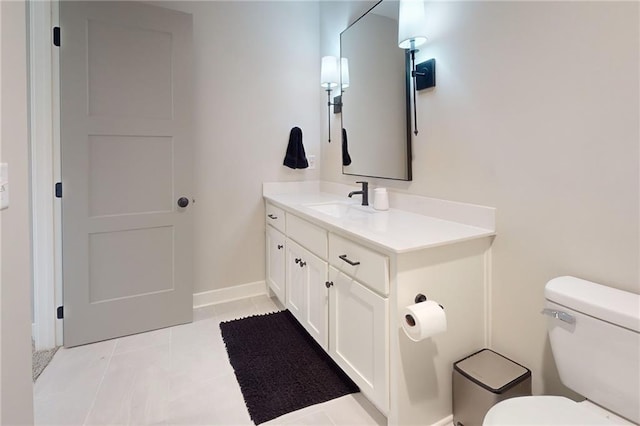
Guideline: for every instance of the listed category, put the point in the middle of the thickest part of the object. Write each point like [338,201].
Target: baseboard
[229,294]
[447,421]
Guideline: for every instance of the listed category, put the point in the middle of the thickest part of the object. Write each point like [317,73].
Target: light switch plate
[4,186]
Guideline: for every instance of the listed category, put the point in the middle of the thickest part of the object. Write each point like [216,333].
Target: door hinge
[58,189]
[60,312]
[56,36]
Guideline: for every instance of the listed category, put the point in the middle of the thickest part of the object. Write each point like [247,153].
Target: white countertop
[396,231]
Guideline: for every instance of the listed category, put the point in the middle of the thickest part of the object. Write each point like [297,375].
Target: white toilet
[595,338]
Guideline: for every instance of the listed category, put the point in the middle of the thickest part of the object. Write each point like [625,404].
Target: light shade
[329,72]
[411,24]
[344,73]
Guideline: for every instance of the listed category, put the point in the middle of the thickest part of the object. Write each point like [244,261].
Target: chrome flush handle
[562,316]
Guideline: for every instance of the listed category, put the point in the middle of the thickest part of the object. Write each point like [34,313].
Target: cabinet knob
[280,246]
[297,260]
[302,263]
[328,284]
[270,216]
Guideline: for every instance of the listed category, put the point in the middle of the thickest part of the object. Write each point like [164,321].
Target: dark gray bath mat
[279,367]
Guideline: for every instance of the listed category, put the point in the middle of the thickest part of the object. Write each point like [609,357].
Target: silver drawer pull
[350,262]
[272,216]
[562,316]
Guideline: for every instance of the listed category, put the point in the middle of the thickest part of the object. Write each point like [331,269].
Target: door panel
[145,255]
[317,314]
[275,243]
[125,99]
[359,336]
[130,174]
[129,71]
[307,296]
[295,294]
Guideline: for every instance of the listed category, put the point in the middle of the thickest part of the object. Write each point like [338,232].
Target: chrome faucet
[364,192]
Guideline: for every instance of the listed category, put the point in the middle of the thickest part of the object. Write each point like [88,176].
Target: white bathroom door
[125,100]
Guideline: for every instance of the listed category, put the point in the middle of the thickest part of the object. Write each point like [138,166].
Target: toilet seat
[543,410]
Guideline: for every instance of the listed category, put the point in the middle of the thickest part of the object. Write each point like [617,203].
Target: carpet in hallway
[40,360]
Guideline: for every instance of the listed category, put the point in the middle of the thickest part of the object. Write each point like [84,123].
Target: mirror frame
[408,137]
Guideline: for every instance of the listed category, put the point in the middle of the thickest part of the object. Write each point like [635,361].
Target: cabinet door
[275,263]
[307,296]
[295,297]
[359,336]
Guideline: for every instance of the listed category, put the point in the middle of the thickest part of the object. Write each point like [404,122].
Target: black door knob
[328,284]
[183,202]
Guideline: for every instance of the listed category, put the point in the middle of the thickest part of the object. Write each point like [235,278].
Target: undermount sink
[341,209]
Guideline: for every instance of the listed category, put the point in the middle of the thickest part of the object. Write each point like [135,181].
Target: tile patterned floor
[175,376]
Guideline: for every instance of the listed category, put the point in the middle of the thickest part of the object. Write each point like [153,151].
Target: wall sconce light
[332,75]
[411,27]
[344,83]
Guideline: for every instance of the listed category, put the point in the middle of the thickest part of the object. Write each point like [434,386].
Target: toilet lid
[542,410]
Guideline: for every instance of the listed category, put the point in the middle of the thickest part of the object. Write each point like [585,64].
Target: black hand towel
[346,158]
[295,156]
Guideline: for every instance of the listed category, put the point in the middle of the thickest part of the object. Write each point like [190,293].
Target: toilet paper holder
[409,317]
[422,298]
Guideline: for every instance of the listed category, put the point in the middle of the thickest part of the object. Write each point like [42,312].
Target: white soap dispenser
[380,199]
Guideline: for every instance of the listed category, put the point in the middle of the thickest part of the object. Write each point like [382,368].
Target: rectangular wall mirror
[375,106]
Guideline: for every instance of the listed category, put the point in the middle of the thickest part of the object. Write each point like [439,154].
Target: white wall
[535,113]
[16,399]
[257,75]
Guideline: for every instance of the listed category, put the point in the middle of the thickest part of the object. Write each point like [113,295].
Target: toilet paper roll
[423,320]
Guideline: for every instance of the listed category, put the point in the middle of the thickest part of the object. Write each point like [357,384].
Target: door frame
[46,214]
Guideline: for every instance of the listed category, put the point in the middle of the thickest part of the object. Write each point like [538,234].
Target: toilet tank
[594,332]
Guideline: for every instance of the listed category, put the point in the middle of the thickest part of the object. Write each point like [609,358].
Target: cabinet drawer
[367,266]
[308,235]
[275,217]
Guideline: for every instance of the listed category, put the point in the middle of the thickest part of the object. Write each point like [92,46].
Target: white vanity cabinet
[275,262]
[306,291]
[376,264]
[359,335]
[344,307]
